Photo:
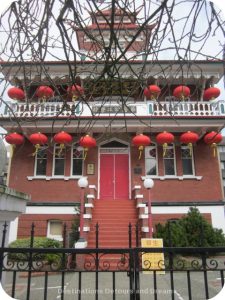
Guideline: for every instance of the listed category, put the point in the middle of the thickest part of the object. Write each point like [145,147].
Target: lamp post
[82,183]
[148,184]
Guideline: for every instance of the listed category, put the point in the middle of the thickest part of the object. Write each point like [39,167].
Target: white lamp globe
[148,183]
[82,182]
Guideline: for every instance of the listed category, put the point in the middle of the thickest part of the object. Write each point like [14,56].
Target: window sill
[55,237]
[185,177]
[66,178]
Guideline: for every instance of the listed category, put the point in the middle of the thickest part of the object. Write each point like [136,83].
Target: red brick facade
[208,189]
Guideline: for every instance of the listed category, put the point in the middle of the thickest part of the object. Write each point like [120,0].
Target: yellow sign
[152,260]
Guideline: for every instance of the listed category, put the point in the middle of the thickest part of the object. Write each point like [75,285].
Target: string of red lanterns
[75,91]
[140,140]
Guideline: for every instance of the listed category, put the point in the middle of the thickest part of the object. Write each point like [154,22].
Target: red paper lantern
[141,141]
[16,93]
[189,138]
[44,92]
[87,142]
[164,138]
[62,138]
[14,139]
[213,138]
[38,139]
[152,92]
[75,91]
[211,93]
[181,92]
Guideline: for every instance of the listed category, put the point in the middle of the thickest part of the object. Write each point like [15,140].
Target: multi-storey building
[113,109]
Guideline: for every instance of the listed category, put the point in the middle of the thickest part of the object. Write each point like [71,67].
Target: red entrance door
[114,176]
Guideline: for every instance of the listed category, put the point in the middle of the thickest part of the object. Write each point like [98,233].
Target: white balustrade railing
[149,108]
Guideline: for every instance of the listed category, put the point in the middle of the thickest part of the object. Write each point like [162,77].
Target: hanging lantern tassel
[61,147]
[214,147]
[140,148]
[164,148]
[37,146]
[13,147]
[85,152]
[190,148]
[74,98]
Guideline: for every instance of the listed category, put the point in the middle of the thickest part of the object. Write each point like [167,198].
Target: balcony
[114,109]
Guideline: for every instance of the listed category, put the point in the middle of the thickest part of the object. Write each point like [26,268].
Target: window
[41,162]
[54,229]
[59,161]
[151,165]
[187,160]
[77,160]
[169,161]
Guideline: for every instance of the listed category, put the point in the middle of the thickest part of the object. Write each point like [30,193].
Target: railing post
[130,235]
[136,274]
[131,274]
[137,234]
[63,262]
[171,262]
[96,235]
[2,246]
[30,262]
[201,236]
[97,260]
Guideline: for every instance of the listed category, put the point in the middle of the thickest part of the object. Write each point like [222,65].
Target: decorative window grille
[77,160]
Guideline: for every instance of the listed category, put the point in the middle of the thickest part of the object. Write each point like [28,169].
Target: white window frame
[56,149]
[192,159]
[71,165]
[147,148]
[53,236]
[171,146]
[36,159]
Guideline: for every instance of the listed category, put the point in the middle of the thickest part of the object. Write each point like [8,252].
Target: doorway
[114,171]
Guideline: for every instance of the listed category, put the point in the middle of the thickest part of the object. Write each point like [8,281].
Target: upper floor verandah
[114,108]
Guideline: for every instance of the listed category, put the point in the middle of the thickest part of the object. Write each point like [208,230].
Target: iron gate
[190,273]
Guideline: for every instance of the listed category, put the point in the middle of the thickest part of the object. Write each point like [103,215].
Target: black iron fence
[128,273]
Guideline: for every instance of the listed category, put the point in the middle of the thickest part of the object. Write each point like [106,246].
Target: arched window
[151,160]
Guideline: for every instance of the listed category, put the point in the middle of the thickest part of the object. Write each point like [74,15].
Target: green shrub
[192,230]
[39,242]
